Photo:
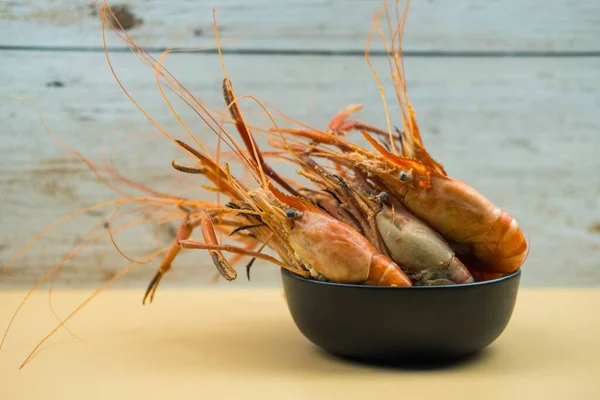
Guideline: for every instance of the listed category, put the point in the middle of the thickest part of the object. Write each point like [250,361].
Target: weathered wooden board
[522,131]
[441,25]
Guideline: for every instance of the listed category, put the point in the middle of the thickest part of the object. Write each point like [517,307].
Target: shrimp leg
[191,244]
[183,233]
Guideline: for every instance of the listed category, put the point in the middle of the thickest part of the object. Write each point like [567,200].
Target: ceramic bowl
[396,323]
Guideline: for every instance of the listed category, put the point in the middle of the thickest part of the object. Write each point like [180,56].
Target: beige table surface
[218,343]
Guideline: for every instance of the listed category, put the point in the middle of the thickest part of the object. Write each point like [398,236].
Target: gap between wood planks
[320,52]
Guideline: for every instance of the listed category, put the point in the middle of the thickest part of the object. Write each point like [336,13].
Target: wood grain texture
[188,342]
[522,131]
[441,25]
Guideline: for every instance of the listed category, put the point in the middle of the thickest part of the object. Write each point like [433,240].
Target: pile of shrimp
[387,214]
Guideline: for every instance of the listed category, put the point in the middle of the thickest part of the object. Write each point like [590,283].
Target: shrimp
[475,227]
[420,248]
[487,237]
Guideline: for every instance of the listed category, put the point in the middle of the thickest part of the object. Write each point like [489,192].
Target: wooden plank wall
[506,93]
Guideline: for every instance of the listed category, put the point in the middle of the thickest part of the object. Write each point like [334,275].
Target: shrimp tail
[385,272]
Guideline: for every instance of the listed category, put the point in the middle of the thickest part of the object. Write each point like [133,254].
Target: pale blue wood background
[524,129]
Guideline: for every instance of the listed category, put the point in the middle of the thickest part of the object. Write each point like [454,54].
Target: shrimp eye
[404,176]
[384,196]
[291,214]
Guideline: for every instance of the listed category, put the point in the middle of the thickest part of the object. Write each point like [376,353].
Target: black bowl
[401,323]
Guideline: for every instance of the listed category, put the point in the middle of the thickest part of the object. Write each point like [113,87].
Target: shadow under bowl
[375,323]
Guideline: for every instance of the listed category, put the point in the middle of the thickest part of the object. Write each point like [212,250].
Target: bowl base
[411,362]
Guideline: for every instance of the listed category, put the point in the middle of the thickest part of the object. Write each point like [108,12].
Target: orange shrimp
[336,251]
[486,237]
[475,227]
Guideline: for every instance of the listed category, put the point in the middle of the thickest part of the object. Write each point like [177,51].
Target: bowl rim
[514,275]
